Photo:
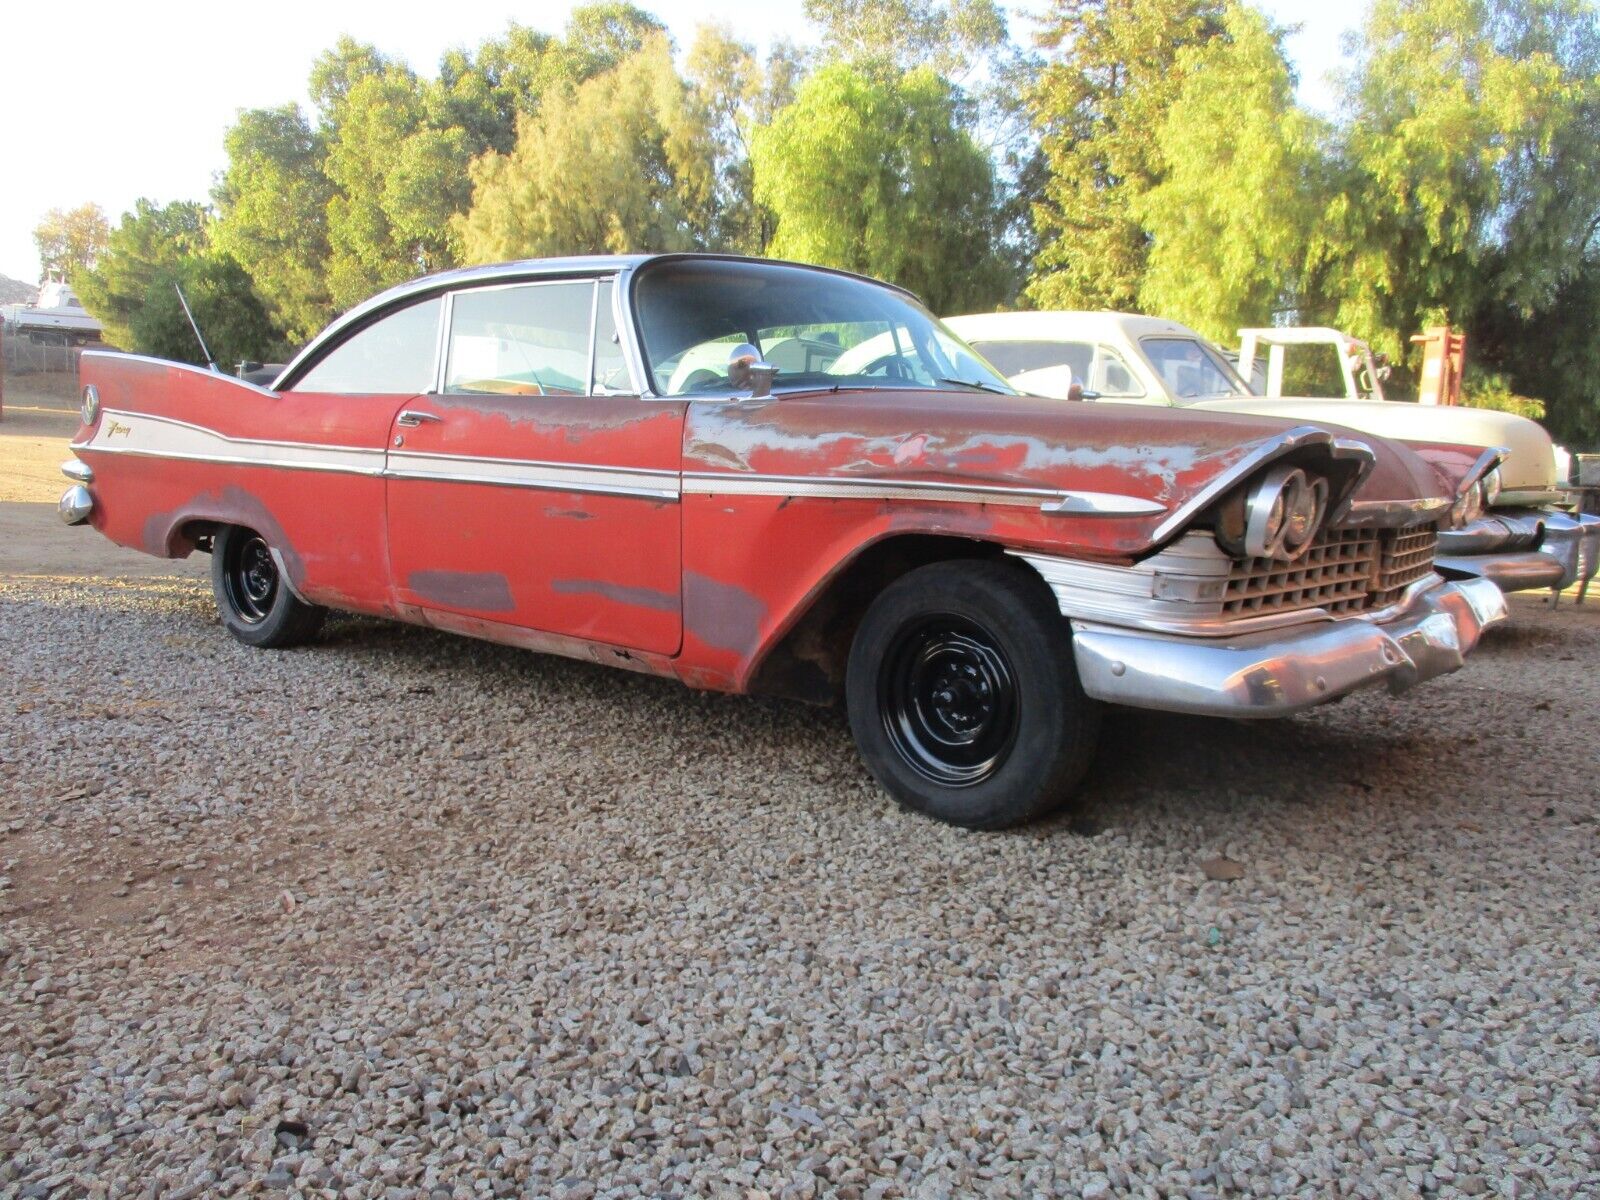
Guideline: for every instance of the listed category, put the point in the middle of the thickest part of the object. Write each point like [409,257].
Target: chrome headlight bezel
[1469,506]
[1277,517]
[1492,487]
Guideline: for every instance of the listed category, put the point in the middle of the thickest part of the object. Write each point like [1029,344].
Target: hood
[1530,466]
[1178,461]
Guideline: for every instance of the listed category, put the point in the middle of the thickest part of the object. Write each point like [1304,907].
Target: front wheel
[254,600]
[964,697]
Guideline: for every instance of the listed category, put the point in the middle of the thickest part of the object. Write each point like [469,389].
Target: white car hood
[1531,465]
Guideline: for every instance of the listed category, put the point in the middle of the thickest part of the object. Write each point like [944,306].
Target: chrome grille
[1404,556]
[1335,574]
[1346,570]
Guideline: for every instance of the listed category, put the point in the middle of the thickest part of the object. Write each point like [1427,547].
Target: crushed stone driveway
[405,915]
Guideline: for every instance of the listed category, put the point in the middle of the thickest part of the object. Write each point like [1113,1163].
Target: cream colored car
[1520,536]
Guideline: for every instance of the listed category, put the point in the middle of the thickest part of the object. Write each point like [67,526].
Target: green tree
[954,38]
[622,162]
[1231,220]
[235,323]
[600,37]
[148,240]
[738,95]
[397,180]
[1113,70]
[1469,175]
[71,240]
[272,203]
[878,175]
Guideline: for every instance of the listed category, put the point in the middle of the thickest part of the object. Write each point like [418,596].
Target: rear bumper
[1277,673]
[1529,548]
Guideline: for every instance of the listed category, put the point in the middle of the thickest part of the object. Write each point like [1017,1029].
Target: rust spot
[573,514]
[484,591]
[638,597]
[722,615]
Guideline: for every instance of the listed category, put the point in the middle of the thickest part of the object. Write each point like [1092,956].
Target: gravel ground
[406,915]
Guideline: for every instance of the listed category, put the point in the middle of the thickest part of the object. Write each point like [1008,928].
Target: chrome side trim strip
[713,483]
[281,464]
[603,481]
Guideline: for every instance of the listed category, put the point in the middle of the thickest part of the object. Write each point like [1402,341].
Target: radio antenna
[195,325]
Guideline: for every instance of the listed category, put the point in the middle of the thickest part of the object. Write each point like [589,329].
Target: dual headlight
[1277,517]
[1470,505]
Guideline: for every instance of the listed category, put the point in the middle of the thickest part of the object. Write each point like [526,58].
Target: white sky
[109,101]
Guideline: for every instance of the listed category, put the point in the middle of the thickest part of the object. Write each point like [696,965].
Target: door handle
[411,418]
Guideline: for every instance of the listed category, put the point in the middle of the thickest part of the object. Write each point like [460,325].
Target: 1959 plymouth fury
[676,464]
[1518,529]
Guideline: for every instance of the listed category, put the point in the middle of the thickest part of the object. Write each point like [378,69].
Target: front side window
[820,330]
[1190,370]
[525,340]
[393,356]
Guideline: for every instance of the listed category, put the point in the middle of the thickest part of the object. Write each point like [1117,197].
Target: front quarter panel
[781,494]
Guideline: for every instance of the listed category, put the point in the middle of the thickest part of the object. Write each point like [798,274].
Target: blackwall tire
[253,599]
[963,695]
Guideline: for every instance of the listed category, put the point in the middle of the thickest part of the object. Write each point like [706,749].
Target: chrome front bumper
[1528,548]
[1280,672]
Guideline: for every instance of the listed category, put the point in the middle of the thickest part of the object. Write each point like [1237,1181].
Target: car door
[338,412]
[534,487]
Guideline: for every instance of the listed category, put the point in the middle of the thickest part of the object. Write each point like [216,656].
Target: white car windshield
[1191,370]
[820,329]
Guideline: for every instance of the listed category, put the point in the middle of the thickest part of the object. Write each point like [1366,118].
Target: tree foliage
[235,323]
[273,204]
[877,175]
[1229,221]
[1460,162]
[148,240]
[623,162]
[70,241]
[1114,69]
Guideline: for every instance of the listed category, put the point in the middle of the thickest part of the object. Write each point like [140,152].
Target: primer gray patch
[484,591]
[640,597]
[722,615]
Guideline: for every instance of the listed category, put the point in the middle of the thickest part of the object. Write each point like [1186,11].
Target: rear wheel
[964,697]
[252,596]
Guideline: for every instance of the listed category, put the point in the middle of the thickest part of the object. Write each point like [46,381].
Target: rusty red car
[765,477]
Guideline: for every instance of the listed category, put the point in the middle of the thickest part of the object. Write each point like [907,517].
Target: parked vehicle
[1520,531]
[57,315]
[515,452]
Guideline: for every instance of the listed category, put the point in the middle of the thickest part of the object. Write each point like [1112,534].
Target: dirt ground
[38,421]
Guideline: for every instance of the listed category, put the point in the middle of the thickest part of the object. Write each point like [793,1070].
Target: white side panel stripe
[140,434]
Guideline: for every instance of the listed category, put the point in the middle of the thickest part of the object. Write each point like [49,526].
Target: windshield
[1191,370]
[819,329]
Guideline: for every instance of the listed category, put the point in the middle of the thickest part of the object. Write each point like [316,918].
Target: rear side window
[393,356]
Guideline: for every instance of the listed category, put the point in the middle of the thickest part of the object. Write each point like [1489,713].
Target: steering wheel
[892,366]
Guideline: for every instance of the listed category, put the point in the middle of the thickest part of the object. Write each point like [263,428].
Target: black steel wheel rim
[251,579]
[948,698]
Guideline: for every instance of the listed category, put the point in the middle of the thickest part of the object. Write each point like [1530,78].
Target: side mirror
[747,369]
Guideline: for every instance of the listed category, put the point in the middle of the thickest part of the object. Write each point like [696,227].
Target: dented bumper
[1280,672]
[1518,550]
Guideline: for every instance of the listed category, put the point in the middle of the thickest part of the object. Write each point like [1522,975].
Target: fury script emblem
[115,427]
